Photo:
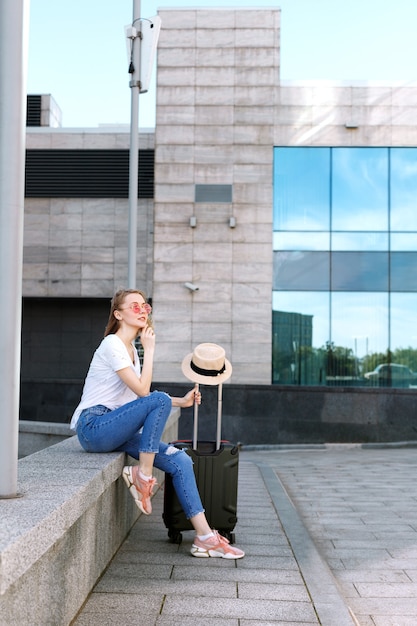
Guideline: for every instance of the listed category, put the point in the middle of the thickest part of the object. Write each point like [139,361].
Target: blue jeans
[99,429]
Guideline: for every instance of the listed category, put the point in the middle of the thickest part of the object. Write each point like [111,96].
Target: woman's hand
[147,338]
[193,396]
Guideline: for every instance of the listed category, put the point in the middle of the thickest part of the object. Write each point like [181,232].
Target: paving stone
[260,610]
[118,606]
[171,620]
[259,591]
[189,588]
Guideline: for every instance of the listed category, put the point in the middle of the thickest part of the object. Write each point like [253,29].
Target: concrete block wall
[51,114]
[218,74]
[75,247]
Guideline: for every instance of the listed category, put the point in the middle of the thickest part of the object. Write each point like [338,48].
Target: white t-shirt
[102,384]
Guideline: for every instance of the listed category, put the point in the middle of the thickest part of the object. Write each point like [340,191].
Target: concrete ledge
[59,536]
[35,436]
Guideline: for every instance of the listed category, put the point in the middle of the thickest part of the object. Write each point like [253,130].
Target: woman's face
[135,311]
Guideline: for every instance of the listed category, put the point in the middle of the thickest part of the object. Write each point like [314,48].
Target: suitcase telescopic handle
[195,429]
[219,418]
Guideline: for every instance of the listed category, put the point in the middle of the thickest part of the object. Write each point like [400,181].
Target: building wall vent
[33,110]
[86,174]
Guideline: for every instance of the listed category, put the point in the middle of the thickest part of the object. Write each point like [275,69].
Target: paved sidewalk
[154,582]
[360,507]
[341,550]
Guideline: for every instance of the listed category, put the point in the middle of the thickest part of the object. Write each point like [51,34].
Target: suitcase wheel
[175,536]
[228,535]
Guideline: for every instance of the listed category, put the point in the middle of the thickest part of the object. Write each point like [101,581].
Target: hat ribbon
[204,372]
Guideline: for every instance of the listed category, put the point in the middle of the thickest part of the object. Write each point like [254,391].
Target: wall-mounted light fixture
[351,125]
[232,221]
[193,221]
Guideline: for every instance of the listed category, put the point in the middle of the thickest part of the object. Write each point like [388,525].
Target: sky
[77,50]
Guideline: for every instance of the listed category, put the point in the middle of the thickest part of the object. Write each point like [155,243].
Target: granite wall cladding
[218,73]
[78,247]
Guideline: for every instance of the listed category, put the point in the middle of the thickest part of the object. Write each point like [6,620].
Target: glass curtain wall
[345,266]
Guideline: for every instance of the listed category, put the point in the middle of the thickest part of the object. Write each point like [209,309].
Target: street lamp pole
[134,84]
[14,29]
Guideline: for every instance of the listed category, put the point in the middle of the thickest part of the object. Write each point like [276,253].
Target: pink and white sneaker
[216,546]
[140,489]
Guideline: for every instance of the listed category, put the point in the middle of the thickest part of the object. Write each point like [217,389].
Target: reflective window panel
[359,271]
[403,242]
[403,185]
[359,241]
[301,270]
[301,189]
[359,333]
[404,329]
[359,189]
[403,270]
[287,240]
[300,332]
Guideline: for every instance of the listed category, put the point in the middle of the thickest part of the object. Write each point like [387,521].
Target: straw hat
[207,365]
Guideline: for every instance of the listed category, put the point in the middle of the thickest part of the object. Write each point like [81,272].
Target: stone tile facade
[218,73]
[79,247]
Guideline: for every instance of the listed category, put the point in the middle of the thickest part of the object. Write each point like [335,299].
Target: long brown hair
[116,302]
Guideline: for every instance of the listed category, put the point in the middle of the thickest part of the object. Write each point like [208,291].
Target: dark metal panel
[213,193]
[33,110]
[86,174]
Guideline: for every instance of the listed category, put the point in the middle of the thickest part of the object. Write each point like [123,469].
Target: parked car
[391,375]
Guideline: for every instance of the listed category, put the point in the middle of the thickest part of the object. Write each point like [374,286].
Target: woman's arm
[135,383]
[141,386]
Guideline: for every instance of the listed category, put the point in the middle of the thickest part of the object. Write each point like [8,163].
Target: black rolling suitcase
[216,465]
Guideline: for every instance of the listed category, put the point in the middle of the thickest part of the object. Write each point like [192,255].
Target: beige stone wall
[51,114]
[79,247]
[218,73]
[346,114]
